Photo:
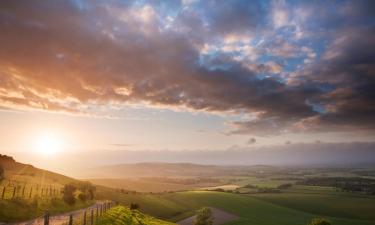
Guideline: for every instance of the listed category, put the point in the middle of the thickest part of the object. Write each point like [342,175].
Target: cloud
[346,73]
[222,57]
[251,141]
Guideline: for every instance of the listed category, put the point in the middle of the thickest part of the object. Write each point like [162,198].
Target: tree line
[349,184]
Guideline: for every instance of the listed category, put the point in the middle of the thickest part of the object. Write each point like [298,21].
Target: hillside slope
[26,192]
[15,172]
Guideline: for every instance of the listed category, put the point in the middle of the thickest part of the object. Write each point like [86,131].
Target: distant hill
[168,170]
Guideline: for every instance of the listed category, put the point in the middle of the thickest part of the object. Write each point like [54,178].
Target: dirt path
[220,217]
[61,218]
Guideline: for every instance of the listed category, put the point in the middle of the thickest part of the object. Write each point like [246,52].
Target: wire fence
[28,191]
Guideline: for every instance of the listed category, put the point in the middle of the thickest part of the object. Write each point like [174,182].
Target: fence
[88,216]
[29,191]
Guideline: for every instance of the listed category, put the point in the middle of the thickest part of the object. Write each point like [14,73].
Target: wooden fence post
[92,217]
[71,219]
[3,194]
[84,218]
[23,191]
[101,210]
[97,212]
[31,192]
[46,218]
[14,192]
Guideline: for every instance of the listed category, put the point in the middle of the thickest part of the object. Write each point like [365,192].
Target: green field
[343,205]
[253,209]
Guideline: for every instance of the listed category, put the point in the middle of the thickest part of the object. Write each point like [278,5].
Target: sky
[184,75]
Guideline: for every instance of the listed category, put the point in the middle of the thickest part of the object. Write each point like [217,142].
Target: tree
[82,197]
[134,206]
[204,217]
[68,194]
[319,221]
[88,189]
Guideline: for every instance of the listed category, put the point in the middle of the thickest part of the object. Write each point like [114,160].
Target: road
[62,218]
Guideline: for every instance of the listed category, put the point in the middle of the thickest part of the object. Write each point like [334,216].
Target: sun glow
[48,144]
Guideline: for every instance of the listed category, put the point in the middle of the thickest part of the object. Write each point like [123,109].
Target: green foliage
[285,186]
[204,217]
[85,192]
[87,188]
[68,194]
[82,197]
[120,215]
[134,206]
[319,221]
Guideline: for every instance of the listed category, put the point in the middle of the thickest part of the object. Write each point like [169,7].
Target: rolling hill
[19,173]
[26,191]
[153,169]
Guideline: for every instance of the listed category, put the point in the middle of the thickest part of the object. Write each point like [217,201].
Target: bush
[319,221]
[285,186]
[204,217]
[68,194]
[88,189]
[82,197]
[134,206]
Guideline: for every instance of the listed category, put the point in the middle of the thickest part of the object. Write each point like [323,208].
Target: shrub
[88,189]
[319,221]
[82,197]
[134,206]
[204,217]
[285,186]
[68,194]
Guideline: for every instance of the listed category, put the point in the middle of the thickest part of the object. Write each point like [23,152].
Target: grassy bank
[19,209]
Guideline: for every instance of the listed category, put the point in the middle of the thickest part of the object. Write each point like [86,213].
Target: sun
[48,144]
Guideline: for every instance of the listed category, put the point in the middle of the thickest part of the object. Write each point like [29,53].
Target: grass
[252,209]
[255,211]
[121,215]
[29,201]
[335,205]
[12,210]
